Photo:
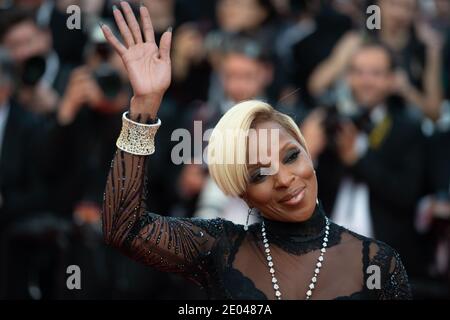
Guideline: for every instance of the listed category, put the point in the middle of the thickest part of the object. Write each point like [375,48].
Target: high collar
[308,230]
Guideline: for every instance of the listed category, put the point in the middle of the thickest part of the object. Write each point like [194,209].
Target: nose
[283,178]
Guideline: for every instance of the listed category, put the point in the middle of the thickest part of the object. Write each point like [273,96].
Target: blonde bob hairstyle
[229,140]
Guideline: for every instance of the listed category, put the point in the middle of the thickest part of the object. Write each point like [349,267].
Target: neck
[303,231]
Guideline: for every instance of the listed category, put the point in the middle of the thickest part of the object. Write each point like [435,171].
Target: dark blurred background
[374,106]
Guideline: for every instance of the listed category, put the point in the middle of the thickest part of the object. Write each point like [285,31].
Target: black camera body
[33,70]
[335,119]
[108,79]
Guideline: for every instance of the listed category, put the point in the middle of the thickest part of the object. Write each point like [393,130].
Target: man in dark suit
[20,190]
[370,165]
[433,218]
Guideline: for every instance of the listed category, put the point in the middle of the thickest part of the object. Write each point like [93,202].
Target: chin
[301,213]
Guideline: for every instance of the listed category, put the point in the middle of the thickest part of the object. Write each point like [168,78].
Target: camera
[108,79]
[335,119]
[33,70]
[106,76]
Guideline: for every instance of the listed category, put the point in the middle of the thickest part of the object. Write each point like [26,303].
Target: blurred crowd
[373,104]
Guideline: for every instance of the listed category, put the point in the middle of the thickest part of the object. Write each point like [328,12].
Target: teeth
[296,198]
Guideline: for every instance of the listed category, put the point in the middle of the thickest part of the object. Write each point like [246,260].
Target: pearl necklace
[312,285]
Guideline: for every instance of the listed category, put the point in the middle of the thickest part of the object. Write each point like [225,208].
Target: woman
[294,253]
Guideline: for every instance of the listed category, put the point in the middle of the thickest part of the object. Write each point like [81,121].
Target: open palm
[148,66]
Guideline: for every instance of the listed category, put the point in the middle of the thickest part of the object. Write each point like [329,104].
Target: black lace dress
[230,263]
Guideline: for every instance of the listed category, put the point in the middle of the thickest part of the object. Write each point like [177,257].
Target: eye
[292,155]
[257,177]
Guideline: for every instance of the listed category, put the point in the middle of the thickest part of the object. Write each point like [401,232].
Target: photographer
[23,194]
[433,214]
[39,67]
[20,189]
[87,118]
[370,160]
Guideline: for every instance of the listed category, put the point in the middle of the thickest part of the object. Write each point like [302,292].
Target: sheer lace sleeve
[168,244]
[397,285]
[394,279]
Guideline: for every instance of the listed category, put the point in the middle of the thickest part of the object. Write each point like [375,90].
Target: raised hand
[148,67]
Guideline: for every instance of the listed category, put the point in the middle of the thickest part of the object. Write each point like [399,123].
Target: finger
[82,74]
[321,113]
[346,132]
[112,39]
[79,81]
[123,27]
[147,25]
[79,70]
[317,115]
[164,45]
[79,98]
[91,84]
[76,74]
[132,22]
[351,129]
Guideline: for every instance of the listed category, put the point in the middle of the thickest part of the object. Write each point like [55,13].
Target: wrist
[136,137]
[407,91]
[66,112]
[144,108]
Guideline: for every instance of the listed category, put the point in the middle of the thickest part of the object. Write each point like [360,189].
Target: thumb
[164,45]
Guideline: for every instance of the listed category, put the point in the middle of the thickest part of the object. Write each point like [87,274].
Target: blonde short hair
[226,142]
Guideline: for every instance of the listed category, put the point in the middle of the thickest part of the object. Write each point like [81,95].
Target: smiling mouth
[294,198]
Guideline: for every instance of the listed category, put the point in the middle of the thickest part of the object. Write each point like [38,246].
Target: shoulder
[407,127]
[217,227]
[21,116]
[382,264]
[405,118]
[378,254]
[376,251]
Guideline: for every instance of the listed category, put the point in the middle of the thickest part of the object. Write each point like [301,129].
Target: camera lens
[108,80]
[33,70]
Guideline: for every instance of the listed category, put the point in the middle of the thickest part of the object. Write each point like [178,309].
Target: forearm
[125,188]
[324,76]
[432,83]
[123,198]
[429,99]
[416,98]
[333,67]
[144,109]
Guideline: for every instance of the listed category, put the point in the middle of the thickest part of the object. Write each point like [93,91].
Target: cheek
[305,172]
[260,194]
[304,168]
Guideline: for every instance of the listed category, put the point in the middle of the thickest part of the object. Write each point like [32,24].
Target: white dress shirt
[4,112]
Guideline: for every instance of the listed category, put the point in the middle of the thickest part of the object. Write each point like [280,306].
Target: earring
[248,217]
[317,201]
